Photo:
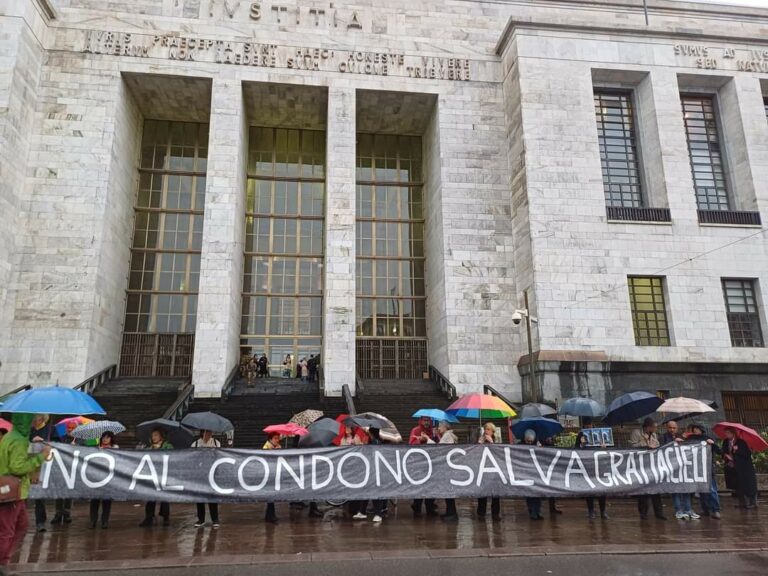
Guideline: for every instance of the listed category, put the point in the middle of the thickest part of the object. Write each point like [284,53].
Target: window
[707,162]
[649,314]
[283,272]
[743,315]
[391,296]
[618,149]
[168,230]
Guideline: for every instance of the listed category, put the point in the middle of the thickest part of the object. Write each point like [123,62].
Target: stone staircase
[267,401]
[134,400]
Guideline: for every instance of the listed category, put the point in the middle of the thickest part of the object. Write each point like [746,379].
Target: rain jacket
[15,461]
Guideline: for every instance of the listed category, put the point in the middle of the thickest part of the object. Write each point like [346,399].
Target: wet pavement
[244,538]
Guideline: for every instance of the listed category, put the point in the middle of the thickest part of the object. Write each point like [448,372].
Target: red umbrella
[755,442]
[5,425]
[289,429]
[359,432]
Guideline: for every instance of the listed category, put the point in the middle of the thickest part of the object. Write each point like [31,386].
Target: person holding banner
[157,442]
[533,504]
[645,437]
[448,436]
[488,437]
[106,442]
[582,443]
[207,440]
[272,443]
[710,501]
[15,462]
[423,433]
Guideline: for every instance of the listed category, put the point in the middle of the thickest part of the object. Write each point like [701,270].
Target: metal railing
[229,383]
[348,400]
[15,391]
[448,389]
[180,406]
[732,217]
[89,385]
[637,214]
[493,392]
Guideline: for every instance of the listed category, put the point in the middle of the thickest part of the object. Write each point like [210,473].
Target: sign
[376,472]
[597,437]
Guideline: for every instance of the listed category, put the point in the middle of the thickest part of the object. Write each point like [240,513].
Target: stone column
[338,359]
[221,265]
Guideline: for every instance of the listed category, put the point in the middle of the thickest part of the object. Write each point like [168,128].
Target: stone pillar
[221,264]
[338,358]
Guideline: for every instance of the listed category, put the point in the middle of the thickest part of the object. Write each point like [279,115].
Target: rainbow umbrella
[483,406]
[66,426]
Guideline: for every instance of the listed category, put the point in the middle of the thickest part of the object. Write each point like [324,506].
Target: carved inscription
[196,49]
[727,57]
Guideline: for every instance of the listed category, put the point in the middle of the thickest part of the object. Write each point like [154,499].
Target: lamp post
[524,313]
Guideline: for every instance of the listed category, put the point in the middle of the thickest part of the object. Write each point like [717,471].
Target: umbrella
[711,403]
[755,442]
[5,425]
[544,427]
[482,406]
[176,433]
[207,421]
[359,432]
[362,422]
[388,432]
[630,407]
[289,429]
[52,400]
[435,414]
[64,427]
[320,433]
[534,410]
[685,406]
[94,430]
[304,419]
[583,407]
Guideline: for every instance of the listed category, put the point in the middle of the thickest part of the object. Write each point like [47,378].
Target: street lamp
[517,317]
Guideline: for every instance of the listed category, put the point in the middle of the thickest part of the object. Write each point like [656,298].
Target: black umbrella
[534,410]
[362,422]
[178,435]
[584,407]
[207,421]
[321,433]
[630,407]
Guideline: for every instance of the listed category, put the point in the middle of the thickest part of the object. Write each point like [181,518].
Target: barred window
[743,314]
[391,296]
[168,229]
[649,313]
[707,164]
[618,148]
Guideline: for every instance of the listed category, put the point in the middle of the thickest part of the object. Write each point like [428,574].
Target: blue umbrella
[584,407]
[544,427]
[53,400]
[630,407]
[435,414]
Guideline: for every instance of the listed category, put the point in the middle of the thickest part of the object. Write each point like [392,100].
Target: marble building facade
[512,101]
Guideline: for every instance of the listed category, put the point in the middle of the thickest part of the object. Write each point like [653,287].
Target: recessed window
[618,149]
[649,313]
[743,314]
[704,149]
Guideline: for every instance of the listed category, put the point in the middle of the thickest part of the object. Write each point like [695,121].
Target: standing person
[42,430]
[304,370]
[272,443]
[710,501]
[207,440]
[488,437]
[448,436]
[16,461]
[423,433]
[681,502]
[582,444]
[738,457]
[287,365]
[157,442]
[106,442]
[553,509]
[533,504]
[645,438]
[311,367]
[378,505]
[263,366]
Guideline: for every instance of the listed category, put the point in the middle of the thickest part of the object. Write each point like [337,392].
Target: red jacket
[416,433]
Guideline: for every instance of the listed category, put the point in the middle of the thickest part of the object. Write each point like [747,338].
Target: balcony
[729,217]
[634,214]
